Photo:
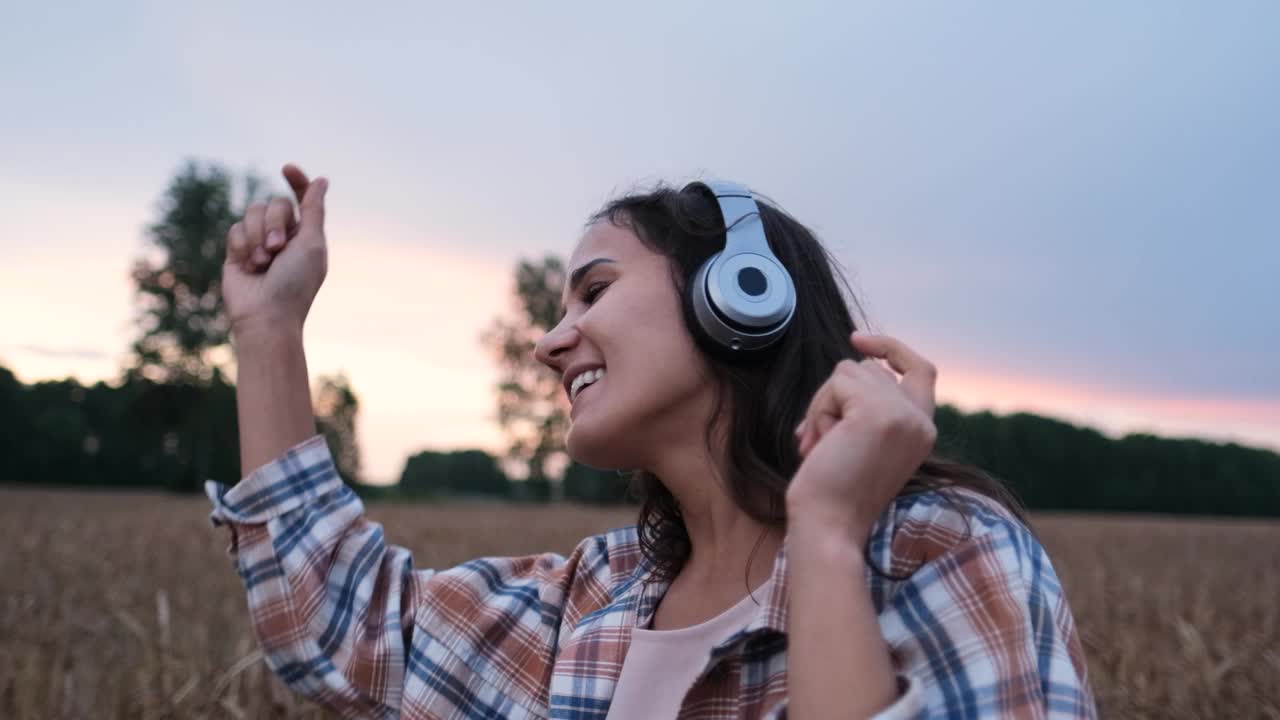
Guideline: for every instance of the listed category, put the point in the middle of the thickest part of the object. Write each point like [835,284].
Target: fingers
[242,252]
[919,376]
[312,206]
[900,357]
[297,180]
[237,245]
[859,381]
[278,224]
[310,194]
[824,412]
[267,228]
[255,232]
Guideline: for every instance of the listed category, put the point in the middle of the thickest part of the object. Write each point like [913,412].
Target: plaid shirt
[980,627]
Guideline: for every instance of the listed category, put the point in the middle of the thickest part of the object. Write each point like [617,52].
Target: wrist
[810,516]
[832,547]
[265,333]
[832,551]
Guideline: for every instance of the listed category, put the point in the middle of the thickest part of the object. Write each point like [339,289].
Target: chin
[596,446]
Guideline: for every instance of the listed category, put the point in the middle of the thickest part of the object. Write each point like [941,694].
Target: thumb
[311,209]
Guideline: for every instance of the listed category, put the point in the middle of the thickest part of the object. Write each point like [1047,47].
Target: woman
[834,570]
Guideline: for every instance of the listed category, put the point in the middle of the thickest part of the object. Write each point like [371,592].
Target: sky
[1070,210]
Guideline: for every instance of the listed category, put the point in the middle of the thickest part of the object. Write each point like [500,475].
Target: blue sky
[1072,210]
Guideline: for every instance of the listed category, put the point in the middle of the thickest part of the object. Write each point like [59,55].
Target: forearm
[295,528]
[273,394]
[838,662]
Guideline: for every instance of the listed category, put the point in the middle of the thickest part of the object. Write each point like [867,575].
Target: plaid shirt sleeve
[338,612]
[980,623]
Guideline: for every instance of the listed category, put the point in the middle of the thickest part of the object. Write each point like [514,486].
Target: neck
[723,537]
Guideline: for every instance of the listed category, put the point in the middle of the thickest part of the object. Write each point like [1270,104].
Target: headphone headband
[742,297]
[744,232]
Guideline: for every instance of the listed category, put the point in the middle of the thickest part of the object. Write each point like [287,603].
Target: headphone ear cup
[741,299]
[704,337]
[701,336]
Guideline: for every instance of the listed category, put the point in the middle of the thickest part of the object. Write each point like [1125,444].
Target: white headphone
[743,299]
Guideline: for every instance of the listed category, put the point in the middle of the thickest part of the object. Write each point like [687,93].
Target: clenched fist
[275,261]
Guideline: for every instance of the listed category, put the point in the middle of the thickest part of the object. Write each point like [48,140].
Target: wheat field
[125,605]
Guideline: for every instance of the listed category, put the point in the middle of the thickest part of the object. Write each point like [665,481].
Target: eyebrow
[575,278]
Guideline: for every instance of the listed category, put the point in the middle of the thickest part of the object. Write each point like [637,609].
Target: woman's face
[622,314]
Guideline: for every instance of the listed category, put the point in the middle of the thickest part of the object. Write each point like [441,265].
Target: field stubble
[126,606]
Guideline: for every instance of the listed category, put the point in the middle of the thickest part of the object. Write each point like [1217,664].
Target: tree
[179,394]
[336,407]
[61,432]
[532,408]
[597,487]
[430,473]
[179,289]
[15,427]
[180,317]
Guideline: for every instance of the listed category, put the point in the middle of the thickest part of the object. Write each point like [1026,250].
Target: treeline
[170,422]
[146,434]
[141,433]
[1054,465]
[474,473]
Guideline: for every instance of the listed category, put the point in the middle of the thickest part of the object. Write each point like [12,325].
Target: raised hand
[276,262]
[865,434]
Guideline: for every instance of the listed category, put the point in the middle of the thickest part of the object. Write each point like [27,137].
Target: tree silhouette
[459,473]
[179,292]
[532,409]
[336,407]
[597,487]
[182,324]
[60,432]
[179,392]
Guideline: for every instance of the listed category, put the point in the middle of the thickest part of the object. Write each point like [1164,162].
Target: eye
[593,291]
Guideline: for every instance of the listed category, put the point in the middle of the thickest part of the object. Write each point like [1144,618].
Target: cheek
[652,349]
[655,372]
[647,402]
[656,315]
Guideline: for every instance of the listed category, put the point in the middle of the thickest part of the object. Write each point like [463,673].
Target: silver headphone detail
[743,298]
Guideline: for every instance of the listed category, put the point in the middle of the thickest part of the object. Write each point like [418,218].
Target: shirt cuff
[304,473]
[910,702]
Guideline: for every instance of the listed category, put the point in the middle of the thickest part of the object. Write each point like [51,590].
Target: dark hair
[769,393]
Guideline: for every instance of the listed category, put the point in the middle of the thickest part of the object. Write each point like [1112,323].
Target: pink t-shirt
[660,665]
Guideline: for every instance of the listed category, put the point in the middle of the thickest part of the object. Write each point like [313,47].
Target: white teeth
[582,381]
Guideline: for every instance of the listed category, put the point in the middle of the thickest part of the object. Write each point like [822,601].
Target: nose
[551,348]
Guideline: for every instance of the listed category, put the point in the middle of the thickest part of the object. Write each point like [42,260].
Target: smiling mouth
[578,398]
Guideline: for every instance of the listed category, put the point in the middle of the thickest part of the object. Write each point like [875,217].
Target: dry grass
[125,605]
[1180,618]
